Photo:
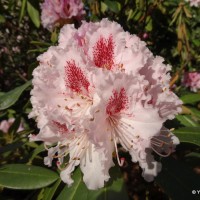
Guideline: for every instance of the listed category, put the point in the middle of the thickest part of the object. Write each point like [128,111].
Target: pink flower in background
[101,87]
[195,3]
[59,11]
[5,125]
[192,80]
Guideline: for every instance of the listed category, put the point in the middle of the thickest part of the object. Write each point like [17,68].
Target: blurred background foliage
[170,28]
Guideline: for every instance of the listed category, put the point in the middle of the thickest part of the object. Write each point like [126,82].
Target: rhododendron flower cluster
[195,3]
[192,80]
[59,11]
[99,89]
[6,124]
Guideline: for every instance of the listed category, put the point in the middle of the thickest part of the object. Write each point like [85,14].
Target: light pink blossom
[195,3]
[101,87]
[192,80]
[60,11]
[6,124]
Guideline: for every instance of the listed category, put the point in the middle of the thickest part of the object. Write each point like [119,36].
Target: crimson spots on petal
[75,78]
[103,53]
[62,128]
[150,101]
[117,102]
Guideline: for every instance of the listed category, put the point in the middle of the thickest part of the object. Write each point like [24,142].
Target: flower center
[75,78]
[103,53]
[62,128]
[117,102]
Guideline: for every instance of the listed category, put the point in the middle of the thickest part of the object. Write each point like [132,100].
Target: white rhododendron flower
[6,124]
[99,88]
[191,80]
[195,3]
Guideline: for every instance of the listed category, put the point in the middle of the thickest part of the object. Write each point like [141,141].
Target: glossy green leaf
[22,11]
[196,42]
[103,7]
[20,176]
[50,190]
[137,15]
[130,14]
[195,112]
[149,25]
[193,154]
[177,179]
[34,14]
[190,98]
[38,50]
[140,4]
[114,6]
[113,190]
[188,134]
[187,120]
[54,36]
[38,150]
[10,98]
[40,43]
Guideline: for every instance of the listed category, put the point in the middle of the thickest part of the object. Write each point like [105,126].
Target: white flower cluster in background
[195,3]
[6,124]
[192,80]
[59,11]
[99,88]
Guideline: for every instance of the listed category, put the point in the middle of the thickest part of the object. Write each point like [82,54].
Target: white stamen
[121,161]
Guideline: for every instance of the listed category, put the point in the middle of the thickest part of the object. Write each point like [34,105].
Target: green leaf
[103,7]
[196,42]
[175,15]
[137,15]
[113,190]
[187,12]
[22,11]
[190,98]
[10,98]
[38,150]
[177,179]
[54,36]
[149,25]
[114,6]
[20,176]
[40,50]
[50,191]
[140,4]
[2,19]
[188,134]
[40,43]
[187,120]
[193,155]
[130,14]
[195,112]
[34,14]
